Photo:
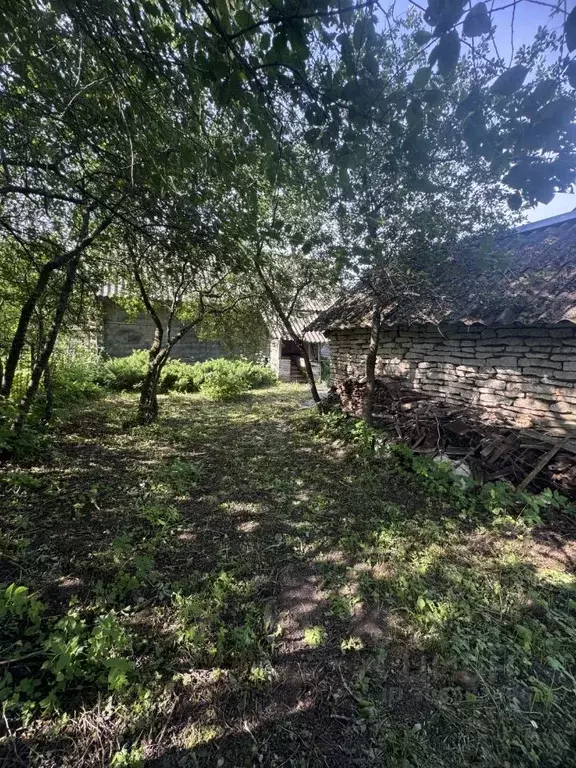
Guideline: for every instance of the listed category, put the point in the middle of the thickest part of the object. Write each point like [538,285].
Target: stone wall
[121,337]
[521,376]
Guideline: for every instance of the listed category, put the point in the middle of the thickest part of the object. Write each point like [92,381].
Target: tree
[180,286]
[290,246]
[109,106]
[426,157]
[95,136]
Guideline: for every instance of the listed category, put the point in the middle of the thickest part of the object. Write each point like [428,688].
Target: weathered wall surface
[523,376]
[121,337]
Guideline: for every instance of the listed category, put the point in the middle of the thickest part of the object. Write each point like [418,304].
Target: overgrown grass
[253,583]
[219,379]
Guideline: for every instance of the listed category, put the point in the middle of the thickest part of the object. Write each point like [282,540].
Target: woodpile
[524,457]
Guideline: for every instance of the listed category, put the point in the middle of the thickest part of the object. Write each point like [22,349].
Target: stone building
[498,333]
[120,335]
[283,354]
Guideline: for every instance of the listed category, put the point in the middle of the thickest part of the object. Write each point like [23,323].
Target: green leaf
[515,201]
[151,9]
[510,80]
[415,115]
[557,114]
[421,78]
[468,104]
[524,633]
[432,96]
[477,21]
[446,54]
[545,192]
[371,64]
[571,73]
[223,12]
[517,176]
[422,37]
[243,18]
[444,14]
[265,41]
[358,34]
[312,135]
[542,93]
[570,30]
[474,130]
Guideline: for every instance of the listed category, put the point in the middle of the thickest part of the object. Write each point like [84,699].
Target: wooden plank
[544,460]
[568,443]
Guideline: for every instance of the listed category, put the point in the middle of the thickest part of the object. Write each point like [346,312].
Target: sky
[527,18]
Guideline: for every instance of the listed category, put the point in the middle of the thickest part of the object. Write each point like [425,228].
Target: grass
[237,585]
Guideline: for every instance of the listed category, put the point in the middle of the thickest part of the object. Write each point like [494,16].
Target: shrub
[220,379]
[125,373]
[178,376]
[251,375]
[226,379]
[223,385]
[77,378]
[74,653]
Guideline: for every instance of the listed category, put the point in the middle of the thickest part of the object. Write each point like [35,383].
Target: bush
[226,379]
[222,385]
[75,653]
[220,379]
[125,373]
[77,378]
[178,376]
[251,375]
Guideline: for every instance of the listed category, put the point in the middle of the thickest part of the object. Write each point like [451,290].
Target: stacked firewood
[526,458]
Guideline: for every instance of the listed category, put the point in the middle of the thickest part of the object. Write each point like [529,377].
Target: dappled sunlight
[283,593]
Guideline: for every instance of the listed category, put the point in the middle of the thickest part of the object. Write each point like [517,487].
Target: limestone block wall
[120,337]
[521,376]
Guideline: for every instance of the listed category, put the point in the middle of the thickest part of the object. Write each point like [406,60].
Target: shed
[122,334]
[496,329]
[283,354]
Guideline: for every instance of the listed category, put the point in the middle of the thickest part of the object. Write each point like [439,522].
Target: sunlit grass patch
[236,580]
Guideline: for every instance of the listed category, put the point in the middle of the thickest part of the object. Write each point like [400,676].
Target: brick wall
[522,376]
[121,337]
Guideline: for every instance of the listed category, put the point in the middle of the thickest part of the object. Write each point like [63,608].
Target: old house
[284,355]
[497,333]
[121,334]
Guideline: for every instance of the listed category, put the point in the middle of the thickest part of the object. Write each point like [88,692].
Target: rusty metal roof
[523,277]
[299,324]
[110,290]
[300,319]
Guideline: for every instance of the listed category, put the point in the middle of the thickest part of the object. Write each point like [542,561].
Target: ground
[239,585]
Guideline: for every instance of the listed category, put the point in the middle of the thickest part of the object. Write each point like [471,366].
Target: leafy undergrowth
[250,584]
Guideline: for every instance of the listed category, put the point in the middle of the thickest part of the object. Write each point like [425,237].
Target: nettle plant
[54,658]
[499,499]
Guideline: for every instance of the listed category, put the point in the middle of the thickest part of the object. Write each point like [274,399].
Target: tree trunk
[148,403]
[44,356]
[67,258]
[277,304]
[371,362]
[49,406]
[309,373]
[19,338]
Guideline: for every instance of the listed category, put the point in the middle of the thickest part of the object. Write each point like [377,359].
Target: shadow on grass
[281,533]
